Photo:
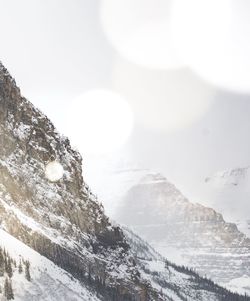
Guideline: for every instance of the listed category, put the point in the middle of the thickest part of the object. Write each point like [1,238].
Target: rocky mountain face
[64,222]
[61,220]
[187,233]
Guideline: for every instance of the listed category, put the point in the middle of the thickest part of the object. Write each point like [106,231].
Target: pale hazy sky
[59,49]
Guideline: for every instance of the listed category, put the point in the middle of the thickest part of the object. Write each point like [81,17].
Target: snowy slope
[48,281]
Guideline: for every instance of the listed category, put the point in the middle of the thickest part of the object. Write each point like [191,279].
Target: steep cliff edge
[61,220]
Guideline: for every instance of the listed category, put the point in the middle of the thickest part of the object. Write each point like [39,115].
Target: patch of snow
[22,131]
[240,284]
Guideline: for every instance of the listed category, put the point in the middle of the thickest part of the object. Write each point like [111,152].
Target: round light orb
[212,37]
[140,31]
[165,100]
[101,121]
[54,171]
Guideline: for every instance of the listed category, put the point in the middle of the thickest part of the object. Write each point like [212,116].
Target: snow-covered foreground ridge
[64,222]
[48,281]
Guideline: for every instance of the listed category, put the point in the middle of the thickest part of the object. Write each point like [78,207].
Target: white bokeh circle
[54,171]
[140,30]
[101,122]
[212,37]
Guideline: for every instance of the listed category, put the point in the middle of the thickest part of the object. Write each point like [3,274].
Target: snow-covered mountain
[64,222]
[229,192]
[186,233]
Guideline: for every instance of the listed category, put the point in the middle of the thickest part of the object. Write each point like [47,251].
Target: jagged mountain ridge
[63,220]
[185,232]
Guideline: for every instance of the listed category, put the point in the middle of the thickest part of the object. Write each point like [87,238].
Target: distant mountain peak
[153,178]
[229,177]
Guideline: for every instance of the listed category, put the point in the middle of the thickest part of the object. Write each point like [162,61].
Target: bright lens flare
[140,31]
[54,171]
[212,37]
[102,122]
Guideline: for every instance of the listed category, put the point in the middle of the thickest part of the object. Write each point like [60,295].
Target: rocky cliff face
[188,233]
[62,220]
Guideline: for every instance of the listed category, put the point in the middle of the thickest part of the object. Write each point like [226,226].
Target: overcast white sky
[59,49]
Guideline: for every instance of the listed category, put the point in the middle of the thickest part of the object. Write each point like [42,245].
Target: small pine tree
[20,267]
[11,294]
[8,291]
[1,263]
[27,270]
[8,268]
[166,264]
[6,287]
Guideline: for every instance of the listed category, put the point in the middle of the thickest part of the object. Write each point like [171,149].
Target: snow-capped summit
[153,178]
